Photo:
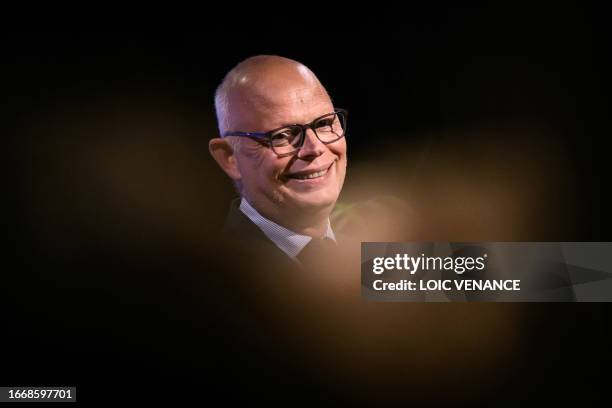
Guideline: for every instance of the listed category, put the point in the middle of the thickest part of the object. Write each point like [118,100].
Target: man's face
[274,183]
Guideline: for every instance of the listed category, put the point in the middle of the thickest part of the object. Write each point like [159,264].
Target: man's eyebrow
[291,124]
[305,123]
[285,124]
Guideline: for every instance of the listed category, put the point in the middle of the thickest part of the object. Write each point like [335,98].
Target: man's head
[264,93]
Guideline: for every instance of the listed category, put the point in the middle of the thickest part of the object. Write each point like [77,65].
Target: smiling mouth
[310,175]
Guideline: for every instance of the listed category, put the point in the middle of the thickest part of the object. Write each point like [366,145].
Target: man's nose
[312,145]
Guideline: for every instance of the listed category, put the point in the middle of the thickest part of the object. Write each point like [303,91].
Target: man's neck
[313,227]
[313,223]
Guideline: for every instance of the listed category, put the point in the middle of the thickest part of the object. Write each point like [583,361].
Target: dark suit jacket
[250,240]
[242,231]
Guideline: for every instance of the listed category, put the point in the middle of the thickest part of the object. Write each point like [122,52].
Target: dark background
[83,308]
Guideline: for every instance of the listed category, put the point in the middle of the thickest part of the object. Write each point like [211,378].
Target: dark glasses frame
[266,137]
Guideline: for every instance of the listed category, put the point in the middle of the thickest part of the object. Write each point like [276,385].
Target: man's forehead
[265,91]
[282,103]
[281,96]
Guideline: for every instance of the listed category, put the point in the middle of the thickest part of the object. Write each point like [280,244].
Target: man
[282,143]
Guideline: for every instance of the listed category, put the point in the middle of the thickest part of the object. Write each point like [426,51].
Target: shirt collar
[288,241]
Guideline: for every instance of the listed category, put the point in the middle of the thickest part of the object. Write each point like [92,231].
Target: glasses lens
[331,127]
[286,140]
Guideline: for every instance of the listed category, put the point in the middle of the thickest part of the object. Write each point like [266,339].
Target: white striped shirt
[288,241]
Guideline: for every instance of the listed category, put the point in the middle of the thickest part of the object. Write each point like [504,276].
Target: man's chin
[311,202]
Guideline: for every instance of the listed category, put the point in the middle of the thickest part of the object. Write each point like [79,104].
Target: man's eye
[281,135]
[287,135]
[325,123]
[282,138]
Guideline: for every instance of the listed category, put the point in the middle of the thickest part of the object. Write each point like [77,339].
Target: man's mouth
[309,175]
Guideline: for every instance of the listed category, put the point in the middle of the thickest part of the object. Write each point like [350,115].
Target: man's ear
[224,155]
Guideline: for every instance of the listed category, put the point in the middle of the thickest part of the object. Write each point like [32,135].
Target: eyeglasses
[287,140]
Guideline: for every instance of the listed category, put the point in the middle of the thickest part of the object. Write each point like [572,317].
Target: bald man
[282,143]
